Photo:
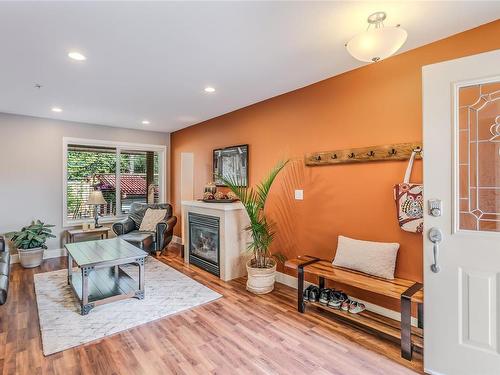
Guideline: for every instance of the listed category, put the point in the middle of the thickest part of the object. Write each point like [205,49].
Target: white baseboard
[292,281]
[431,372]
[47,254]
[177,239]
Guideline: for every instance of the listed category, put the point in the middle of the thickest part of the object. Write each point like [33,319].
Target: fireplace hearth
[204,242]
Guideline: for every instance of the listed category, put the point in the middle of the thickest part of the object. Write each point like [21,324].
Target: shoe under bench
[407,292]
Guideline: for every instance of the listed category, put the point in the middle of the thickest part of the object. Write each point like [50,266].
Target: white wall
[31,166]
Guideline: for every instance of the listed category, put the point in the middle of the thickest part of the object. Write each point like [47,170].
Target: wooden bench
[406,291]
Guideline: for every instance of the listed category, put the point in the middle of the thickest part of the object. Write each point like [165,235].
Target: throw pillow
[373,258]
[151,218]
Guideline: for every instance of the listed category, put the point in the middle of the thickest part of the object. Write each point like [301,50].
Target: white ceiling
[151,60]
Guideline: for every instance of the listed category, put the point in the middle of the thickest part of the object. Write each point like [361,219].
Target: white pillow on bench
[373,258]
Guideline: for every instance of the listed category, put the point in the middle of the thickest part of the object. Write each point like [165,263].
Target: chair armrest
[165,232]
[123,226]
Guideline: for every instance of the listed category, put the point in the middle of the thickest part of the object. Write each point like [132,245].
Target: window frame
[162,153]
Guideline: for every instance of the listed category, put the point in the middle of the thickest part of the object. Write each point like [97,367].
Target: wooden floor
[238,334]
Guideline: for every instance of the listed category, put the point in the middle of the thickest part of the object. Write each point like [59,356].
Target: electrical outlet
[299,195]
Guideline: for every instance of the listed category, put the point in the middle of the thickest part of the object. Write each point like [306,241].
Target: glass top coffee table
[99,278]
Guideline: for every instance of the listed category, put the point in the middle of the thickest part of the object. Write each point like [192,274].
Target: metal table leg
[140,293]
[70,268]
[86,306]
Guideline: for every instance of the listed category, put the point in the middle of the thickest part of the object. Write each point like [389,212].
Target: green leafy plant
[261,229]
[32,236]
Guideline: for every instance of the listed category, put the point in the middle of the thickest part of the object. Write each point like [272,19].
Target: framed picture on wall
[231,162]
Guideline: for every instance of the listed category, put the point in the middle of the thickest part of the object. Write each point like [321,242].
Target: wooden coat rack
[399,151]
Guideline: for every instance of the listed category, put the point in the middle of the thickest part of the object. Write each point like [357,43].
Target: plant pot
[30,258]
[261,280]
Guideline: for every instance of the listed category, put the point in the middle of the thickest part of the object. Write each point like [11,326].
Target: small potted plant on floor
[261,267]
[30,243]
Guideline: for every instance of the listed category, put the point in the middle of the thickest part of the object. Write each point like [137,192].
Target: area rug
[167,292]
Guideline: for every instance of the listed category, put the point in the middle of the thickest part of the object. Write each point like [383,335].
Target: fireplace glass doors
[204,242]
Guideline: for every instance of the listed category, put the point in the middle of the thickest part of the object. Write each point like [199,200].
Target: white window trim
[162,154]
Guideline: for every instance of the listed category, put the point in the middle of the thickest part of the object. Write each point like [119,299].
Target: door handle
[435,236]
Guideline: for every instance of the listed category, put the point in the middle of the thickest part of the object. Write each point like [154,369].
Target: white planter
[261,280]
[30,258]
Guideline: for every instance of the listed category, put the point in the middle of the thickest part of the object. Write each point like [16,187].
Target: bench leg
[420,315]
[406,350]
[321,282]
[300,290]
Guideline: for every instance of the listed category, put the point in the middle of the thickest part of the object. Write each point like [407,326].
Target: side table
[72,233]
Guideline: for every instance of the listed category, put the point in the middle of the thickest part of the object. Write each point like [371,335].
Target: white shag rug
[167,292]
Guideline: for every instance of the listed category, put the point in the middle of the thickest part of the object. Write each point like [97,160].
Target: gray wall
[31,166]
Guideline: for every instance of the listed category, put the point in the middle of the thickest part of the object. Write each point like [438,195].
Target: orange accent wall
[375,104]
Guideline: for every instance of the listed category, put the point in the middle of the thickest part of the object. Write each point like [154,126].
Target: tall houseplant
[30,242]
[261,267]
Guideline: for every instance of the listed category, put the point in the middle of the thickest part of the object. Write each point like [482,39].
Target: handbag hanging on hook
[410,201]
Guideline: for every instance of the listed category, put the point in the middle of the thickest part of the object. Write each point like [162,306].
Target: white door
[461,113]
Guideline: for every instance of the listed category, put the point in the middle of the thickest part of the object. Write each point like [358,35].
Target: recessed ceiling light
[56,109]
[209,89]
[145,122]
[76,56]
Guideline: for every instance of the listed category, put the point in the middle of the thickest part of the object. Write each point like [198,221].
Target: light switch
[299,195]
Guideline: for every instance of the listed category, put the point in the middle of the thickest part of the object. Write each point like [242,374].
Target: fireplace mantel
[233,238]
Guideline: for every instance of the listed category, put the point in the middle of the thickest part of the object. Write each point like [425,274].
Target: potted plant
[30,243]
[261,267]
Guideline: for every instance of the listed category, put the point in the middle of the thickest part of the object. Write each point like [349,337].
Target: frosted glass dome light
[377,43]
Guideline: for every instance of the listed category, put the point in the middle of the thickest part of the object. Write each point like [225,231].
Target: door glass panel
[479,157]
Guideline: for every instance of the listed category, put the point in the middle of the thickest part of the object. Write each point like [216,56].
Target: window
[125,173]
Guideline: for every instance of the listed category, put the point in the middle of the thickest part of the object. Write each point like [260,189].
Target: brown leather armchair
[128,229]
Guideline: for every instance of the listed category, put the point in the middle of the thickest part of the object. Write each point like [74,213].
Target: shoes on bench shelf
[325,295]
[306,292]
[356,307]
[314,294]
[337,298]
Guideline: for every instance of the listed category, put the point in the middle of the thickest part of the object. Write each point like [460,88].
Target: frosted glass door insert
[479,157]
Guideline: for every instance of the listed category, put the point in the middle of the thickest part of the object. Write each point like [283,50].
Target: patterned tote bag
[409,202]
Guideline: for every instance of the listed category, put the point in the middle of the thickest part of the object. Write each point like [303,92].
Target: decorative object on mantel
[262,267]
[396,151]
[231,162]
[210,188]
[30,242]
[219,197]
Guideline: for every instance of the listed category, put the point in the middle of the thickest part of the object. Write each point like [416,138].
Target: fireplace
[204,242]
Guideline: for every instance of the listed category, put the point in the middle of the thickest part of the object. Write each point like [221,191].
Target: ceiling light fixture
[209,89]
[56,109]
[145,122]
[76,56]
[377,43]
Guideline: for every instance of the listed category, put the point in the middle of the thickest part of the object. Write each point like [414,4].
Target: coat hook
[318,157]
[334,156]
[371,153]
[392,152]
[351,155]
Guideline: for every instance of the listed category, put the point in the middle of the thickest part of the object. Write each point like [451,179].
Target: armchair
[128,229]
[4,270]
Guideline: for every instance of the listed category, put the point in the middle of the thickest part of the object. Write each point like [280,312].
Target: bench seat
[405,291]
[389,288]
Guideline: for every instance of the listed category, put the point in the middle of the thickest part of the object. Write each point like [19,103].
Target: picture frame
[231,161]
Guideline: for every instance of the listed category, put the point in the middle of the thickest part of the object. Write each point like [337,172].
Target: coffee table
[99,278]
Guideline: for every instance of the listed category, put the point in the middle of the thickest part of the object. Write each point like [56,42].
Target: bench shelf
[404,290]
